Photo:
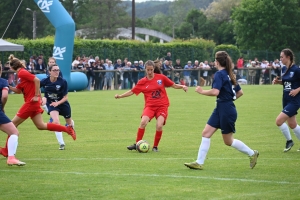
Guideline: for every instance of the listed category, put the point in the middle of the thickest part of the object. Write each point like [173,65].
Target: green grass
[98,166]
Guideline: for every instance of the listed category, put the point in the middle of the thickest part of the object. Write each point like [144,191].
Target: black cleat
[288,146]
[155,149]
[132,147]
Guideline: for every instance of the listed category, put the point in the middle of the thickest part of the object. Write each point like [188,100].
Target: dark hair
[15,63]
[157,64]
[288,53]
[225,61]
[50,67]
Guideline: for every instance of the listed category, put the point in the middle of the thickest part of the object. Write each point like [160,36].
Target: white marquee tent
[8,46]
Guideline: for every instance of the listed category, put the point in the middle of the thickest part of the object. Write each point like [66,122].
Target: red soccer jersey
[154,90]
[26,84]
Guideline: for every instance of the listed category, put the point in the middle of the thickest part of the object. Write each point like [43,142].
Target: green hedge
[232,50]
[196,49]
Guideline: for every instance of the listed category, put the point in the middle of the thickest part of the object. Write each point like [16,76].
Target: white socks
[203,149]
[12,145]
[59,138]
[242,147]
[297,131]
[285,131]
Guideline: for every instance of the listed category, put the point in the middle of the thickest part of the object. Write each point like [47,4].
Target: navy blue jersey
[222,82]
[291,81]
[54,91]
[3,85]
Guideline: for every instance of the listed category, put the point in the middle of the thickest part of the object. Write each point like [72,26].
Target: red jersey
[26,84]
[154,90]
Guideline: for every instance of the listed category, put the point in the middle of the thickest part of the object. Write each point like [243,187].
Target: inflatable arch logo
[63,42]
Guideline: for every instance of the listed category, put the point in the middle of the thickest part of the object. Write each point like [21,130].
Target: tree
[220,10]
[264,24]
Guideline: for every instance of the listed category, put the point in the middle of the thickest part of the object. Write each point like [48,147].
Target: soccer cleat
[194,165]
[62,147]
[155,149]
[288,146]
[4,152]
[71,132]
[132,147]
[253,159]
[13,161]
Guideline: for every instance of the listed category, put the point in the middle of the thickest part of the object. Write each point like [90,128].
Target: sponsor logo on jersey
[44,5]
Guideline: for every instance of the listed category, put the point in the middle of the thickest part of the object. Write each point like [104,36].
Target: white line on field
[149,158]
[157,175]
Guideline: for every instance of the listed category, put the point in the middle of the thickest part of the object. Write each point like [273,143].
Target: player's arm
[211,92]
[15,90]
[126,94]
[4,97]
[178,86]
[37,92]
[239,93]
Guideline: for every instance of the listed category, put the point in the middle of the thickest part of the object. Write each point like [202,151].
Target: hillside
[148,9]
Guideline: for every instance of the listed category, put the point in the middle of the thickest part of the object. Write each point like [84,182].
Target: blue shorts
[290,109]
[3,118]
[224,117]
[63,109]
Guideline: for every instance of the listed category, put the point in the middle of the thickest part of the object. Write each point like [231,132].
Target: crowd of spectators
[107,74]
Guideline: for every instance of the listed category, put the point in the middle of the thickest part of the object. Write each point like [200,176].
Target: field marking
[159,176]
[147,158]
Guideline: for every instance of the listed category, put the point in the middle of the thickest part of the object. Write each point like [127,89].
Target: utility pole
[133,21]
[34,25]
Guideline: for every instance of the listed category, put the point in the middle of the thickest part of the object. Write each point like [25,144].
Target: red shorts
[156,112]
[30,109]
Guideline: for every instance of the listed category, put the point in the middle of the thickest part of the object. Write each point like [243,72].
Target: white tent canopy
[8,46]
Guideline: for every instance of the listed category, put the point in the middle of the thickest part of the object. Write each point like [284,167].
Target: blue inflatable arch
[63,43]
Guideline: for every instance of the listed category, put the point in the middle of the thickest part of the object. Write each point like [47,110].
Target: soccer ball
[142,146]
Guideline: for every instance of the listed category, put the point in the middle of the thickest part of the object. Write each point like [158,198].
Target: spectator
[40,66]
[142,69]
[99,78]
[194,73]
[177,74]
[187,73]
[240,66]
[166,69]
[76,62]
[108,76]
[118,81]
[126,76]
[135,73]
[168,57]
[90,75]
[31,65]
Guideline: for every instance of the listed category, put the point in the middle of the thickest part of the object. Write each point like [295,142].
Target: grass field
[98,166]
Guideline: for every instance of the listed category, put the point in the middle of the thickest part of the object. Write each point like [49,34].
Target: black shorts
[63,109]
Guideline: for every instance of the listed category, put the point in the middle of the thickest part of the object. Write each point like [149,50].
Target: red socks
[157,138]
[140,134]
[56,127]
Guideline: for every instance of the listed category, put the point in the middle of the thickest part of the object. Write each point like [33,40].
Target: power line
[11,19]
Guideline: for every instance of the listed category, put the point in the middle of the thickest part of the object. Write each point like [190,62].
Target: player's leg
[141,131]
[161,115]
[207,132]
[59,136]
[292,122]
[12,143]
[280,122]
[41,125]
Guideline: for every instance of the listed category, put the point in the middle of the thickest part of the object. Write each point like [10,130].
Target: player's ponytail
[225,61]
[15,63]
